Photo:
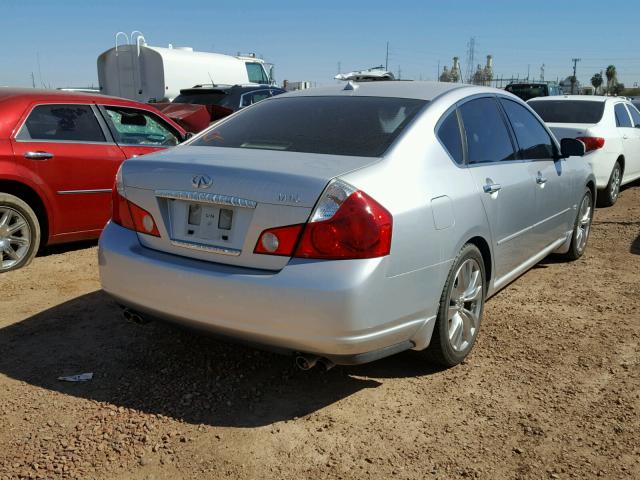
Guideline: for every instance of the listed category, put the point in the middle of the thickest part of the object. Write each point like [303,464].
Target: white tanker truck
[144,73]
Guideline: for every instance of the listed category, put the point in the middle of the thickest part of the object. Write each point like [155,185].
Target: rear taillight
[346,224]
[129,215]
[592,143]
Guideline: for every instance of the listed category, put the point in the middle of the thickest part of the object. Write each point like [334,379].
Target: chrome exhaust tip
[306,362]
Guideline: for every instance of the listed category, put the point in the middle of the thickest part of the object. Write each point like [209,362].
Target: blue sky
[306,40]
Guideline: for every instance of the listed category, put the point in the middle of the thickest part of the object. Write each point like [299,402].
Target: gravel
[552,389]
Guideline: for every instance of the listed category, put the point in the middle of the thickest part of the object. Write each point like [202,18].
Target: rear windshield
[209,98]
[568,111]
[527,91]
[357,126]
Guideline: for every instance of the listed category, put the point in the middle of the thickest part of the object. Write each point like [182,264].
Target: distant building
[453,75]
[291,86]
[484,76]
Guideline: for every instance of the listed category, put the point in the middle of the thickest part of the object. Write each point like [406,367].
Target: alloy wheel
[15,237]
[584,223]
[465,305]
[615,183]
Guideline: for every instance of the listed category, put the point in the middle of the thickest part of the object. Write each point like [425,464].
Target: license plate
[206,222]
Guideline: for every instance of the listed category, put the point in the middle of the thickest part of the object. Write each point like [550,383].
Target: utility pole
[399,72]
[542,73]
[386,62]
[528,69]
[438,75]
[574,79]
[33,80]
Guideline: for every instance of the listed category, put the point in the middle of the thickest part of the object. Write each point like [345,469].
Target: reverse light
[129,215]
[279,241]
[591,143]
[346,224]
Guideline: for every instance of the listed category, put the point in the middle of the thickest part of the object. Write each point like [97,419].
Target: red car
[59,153]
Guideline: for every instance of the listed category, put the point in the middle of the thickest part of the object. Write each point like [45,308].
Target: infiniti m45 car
[363,221]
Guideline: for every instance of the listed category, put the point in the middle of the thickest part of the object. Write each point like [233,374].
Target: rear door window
[635,115]
[449,136]
[622,117]
[568,111]
[488,139]
[131,126]
[66,123]
[533,140]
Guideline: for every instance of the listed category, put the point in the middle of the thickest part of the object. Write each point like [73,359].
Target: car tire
[581,228]
[460,311]
[19,233]
[609,195]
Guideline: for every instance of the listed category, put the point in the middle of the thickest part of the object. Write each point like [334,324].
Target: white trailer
[144,73]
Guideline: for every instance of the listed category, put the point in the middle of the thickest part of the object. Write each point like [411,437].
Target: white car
[610,129]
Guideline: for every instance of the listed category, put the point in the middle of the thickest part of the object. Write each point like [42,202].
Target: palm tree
[611,77]
[596,81]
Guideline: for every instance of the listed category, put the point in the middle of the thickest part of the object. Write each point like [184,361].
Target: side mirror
[187,136]
[571,147]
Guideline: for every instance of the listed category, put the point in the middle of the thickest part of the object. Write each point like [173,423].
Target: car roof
[391,88]
[580,98]
[18,99]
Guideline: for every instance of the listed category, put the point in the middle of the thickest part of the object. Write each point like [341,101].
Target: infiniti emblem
[201,181]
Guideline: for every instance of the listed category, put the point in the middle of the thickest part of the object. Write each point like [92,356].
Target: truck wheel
[19,233]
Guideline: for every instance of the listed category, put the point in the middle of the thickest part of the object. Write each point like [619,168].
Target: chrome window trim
[66,142]
[204,197]
[200,247]
[94,190]
[18,130]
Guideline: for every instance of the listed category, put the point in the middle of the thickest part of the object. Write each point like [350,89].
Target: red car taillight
[591,143]
[346,224]
[129,215]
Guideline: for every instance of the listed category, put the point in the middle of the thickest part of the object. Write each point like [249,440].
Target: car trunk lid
[212,203]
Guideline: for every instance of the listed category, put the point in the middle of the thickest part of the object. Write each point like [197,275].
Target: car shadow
[66,247]
[163,369]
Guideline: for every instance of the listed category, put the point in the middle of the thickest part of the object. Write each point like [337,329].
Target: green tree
[611,77]
[618,88]
[596,81]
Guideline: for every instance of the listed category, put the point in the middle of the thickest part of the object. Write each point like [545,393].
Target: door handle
[491,187]
[625,137]
[540,180]
[38,155]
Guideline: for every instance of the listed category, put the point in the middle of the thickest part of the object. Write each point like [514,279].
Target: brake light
[129,215]
[592,143]
[346,224]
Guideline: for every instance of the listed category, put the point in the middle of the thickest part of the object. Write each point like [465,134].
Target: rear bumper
[337,309]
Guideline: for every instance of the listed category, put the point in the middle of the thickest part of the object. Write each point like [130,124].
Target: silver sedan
[348,223]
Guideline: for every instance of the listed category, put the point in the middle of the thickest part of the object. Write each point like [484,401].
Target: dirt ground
[552,389]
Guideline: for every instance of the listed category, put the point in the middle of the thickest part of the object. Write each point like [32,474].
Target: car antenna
[211,78]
